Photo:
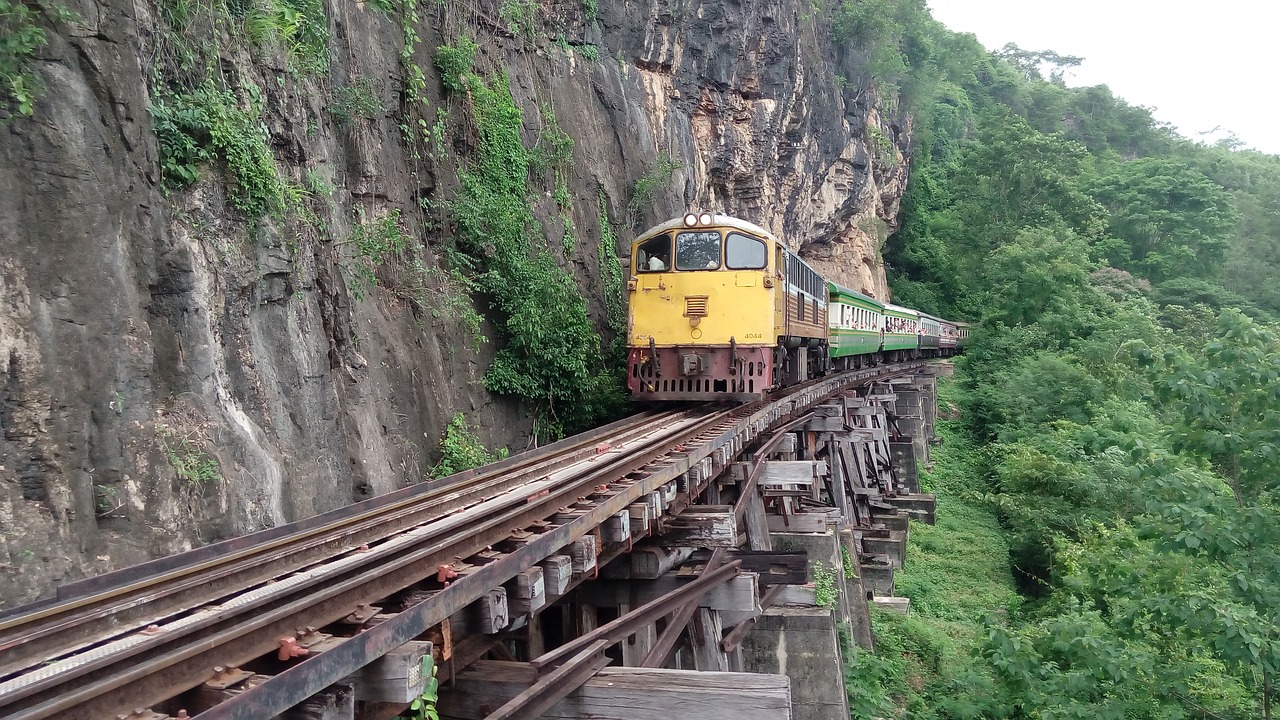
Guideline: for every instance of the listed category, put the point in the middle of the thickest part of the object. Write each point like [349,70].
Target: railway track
[137,637]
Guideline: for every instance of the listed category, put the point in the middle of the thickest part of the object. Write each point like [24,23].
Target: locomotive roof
[716,221]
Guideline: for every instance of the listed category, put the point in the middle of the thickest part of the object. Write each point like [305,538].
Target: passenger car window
[744,253]
[698,250]
[654,254]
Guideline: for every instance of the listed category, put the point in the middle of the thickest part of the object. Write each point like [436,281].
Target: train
[722,310]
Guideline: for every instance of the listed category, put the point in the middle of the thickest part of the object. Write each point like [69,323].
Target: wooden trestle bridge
[597,577]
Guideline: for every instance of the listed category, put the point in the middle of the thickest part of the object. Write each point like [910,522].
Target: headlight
[705,218]
[690,220]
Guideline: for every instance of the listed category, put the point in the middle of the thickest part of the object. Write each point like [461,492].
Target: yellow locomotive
[720,309]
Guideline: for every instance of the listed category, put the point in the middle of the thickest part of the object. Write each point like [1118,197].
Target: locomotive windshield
[654,254]
[698,250]
[744,253]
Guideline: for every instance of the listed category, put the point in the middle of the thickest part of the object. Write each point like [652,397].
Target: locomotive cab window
[744,253]
[654,254]
[698,250]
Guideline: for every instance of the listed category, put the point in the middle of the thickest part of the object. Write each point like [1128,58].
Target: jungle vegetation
[1116,459]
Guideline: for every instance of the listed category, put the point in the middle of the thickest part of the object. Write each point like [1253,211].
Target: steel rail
[167,663]
[313,675]
[219,638]
[51,632]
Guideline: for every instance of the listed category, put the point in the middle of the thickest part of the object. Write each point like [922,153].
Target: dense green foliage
[20,37]
[1123,381]
[550,354]
[460,449]
[207,124]
[205,113]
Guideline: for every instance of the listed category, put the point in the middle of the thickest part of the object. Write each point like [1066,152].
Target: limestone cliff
[175,372]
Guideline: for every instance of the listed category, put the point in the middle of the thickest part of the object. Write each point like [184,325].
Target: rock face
[173,374]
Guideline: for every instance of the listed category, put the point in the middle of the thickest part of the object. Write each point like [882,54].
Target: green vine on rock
[521,17]
[376,242]
[611,275]
[210,123]
[552,154]
[550,357]
[455,62]
[189,462]
[825,592]
[462,450]
[299,27]
[20,38]
[648,185]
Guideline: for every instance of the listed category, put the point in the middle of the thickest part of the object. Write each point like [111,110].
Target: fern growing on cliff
[211,123]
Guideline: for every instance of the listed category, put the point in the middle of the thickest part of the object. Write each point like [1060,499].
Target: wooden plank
[527,591]
[707,526]
[557,572]
[637,646]
[677,621]
[839,497]
[630,694]
[397,677]
[802,523]
[827,410]
[494,611]
[792,472]
[554,686]
[617,529]
[739,594]
[656,506]
[641,517]
[773,567]
[336,702]
[825,424]
[623,627]
[704,636]
[583,553]
[787,444]
[757,523]
[651,562]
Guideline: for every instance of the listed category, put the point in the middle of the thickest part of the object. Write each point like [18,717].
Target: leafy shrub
[461,449]
[209,123]
[299,26]
[20,37]
[648,185]
[555,366]
[455,62]
[375,243]
[521,16]
[358,100]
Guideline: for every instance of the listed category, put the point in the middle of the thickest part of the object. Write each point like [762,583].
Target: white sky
[1196,65]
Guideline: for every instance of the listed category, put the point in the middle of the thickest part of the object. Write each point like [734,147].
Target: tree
[1014,177]
[1040,271]
[1224,405]
[1173,221]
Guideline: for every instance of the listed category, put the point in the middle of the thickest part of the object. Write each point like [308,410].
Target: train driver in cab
[655,255]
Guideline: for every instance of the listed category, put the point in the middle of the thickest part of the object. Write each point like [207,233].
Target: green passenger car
[856,322]
[902,328]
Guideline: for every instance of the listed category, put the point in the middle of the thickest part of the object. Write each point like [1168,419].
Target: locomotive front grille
[695,306]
